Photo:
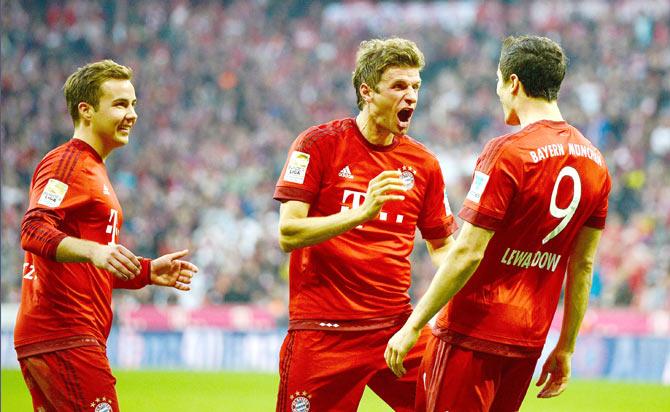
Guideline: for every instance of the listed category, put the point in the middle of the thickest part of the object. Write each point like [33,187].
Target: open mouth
[404,117]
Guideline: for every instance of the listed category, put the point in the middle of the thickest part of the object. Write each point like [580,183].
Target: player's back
[536,188]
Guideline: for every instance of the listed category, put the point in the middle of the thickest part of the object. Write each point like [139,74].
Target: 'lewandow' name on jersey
[527,259]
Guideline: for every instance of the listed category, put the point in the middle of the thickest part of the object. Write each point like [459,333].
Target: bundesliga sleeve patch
[478,186]
[296,170]
[53,193]
[447,208]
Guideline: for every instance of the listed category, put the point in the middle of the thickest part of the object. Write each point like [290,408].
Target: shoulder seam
[420,145]
[310,137]
[499,143]
[494,152]
[67,163]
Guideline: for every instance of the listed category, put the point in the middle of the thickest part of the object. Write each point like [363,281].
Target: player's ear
[516,84]
[366,92]
[85,111]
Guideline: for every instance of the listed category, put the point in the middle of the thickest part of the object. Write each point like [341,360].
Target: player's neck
[371,131]
[85,134]
[534,110]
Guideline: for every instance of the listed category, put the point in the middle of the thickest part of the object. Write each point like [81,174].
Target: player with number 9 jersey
[533,218]
[562,182]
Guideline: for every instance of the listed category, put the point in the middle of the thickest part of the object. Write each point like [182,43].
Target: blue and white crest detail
[300,402]
[407,174]
[102,405]
[478,185]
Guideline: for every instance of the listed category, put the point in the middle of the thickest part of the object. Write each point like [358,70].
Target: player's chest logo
[407,174]
[346,173]
[113,227]
[356,199]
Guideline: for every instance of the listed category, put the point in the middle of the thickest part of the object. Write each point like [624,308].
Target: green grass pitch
[141,391]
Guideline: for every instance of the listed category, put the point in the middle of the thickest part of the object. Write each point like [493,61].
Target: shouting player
[536,208]
[73,259]
[353,192]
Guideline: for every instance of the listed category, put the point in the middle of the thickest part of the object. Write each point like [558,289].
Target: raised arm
[577,289]
[297,230]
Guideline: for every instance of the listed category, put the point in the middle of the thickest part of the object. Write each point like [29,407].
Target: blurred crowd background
[225,86]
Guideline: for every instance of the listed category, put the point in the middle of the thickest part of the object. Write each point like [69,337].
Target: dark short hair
[84,84]
[376,55]
[539,62]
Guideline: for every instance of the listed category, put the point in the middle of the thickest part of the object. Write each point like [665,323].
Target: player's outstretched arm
[115,259]
[168,270]
[577,287]
[456,268]
[296,230]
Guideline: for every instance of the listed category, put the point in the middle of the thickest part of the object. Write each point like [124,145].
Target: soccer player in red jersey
[536,208]
[73,259]
[353,192]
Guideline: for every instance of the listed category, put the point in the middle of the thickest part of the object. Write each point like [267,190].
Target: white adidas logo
[345,172]
[105,189]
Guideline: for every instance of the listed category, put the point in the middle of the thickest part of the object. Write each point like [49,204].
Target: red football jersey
[536,189]
[363,273]
[68,304]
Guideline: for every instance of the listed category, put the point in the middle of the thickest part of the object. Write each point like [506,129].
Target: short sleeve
[435,219]
[599,215]
[495,181]
[301,176]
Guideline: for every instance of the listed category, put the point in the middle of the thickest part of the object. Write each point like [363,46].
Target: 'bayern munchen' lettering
[544,152]
[527,259]
[585,151]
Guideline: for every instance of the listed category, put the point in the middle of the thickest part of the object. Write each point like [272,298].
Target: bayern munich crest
[407,176]
[300,402]
[102,405]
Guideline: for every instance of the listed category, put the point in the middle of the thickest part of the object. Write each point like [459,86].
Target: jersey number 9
[567,213]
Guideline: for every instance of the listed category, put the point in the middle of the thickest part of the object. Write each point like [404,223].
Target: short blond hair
[84,84]
[376,55]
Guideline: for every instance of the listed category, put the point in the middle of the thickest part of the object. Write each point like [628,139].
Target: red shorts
[328,371]
[76,379]
[463,380]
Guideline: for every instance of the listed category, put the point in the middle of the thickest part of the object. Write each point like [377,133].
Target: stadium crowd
[224,87]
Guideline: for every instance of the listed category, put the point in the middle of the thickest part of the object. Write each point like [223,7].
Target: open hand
[557,367]
[397,349]
[168,270]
